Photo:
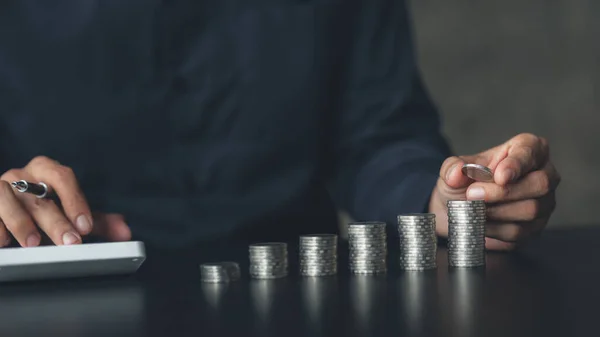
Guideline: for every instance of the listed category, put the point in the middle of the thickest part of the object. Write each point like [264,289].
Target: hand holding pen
[40,189]
[28,207]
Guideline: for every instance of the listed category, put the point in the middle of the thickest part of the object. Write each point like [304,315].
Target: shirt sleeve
[388,146]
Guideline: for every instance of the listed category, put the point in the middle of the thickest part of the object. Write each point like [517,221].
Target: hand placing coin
[517,181]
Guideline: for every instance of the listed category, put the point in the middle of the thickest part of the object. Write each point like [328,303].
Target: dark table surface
[550,288]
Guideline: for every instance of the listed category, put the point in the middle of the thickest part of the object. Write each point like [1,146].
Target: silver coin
[470,214]
[467,221]
[466,265]
[455,238]
[461,257]
[466,237]
[466,217]
[403,256]
[467,261]
[464,205]
[466,230]
[422,250]
[417,232]
[367,263]
[417,264]
[453,228]
[474,259]
[219,272]
[430,264]
[470,259]
[462,202]
[478,172]
[317,263]
[317,274]
[368,271]
[320,259]
[317,270]
[428,239]
[315,255]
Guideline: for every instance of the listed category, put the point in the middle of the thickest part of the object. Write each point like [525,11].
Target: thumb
[111,226]
[451,173]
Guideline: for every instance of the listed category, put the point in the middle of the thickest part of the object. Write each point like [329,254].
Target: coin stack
[418,241]
[268,260]
[466,233]
[318,255]
[220,272]
[368,247]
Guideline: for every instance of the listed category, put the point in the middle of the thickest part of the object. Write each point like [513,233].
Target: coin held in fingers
[478,172]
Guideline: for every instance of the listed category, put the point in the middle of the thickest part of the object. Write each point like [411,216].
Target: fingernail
[450,171]
[83,224]
[33,240]
[476,193]
[70,238]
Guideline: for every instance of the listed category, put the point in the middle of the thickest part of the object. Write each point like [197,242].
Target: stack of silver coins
[418,241]
[268,260]
[220,272]
[466,233]
[318,255]
[368,247]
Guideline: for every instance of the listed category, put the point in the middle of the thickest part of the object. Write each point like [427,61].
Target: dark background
[498,68]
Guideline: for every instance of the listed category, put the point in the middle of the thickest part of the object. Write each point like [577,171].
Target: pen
[40,189]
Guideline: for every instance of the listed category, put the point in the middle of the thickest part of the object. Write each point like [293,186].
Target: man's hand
[23,215]
[519,201]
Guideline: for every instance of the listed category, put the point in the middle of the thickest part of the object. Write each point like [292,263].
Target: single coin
[478,172]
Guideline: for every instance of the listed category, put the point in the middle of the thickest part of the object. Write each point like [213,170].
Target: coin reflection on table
[367,298]
[413,298]
[320,302]
[262,293]
[313,296]
[214,293]
[467,288]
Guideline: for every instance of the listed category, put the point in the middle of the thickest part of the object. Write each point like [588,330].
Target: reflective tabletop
[550,288]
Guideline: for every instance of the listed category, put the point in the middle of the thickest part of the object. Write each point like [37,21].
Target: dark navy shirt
[205,118]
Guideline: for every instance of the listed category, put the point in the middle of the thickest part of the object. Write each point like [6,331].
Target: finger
[522,210]
[62,179]
[497,245]
[51,220]
[451,172]
[525,153]
[111,227]
[534,185]
[16,219]
[4,235]
[514,231]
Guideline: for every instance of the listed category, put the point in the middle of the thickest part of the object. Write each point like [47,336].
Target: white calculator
[82,260]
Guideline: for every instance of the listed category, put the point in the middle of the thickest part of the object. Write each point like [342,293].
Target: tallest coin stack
[466,233]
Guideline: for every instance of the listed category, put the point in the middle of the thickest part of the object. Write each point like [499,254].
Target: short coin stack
[220,272]
[418,241]
[466,233]
[268,260]
[318,255]
[368,247]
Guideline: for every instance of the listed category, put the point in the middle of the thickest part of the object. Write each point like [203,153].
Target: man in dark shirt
[183,121]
